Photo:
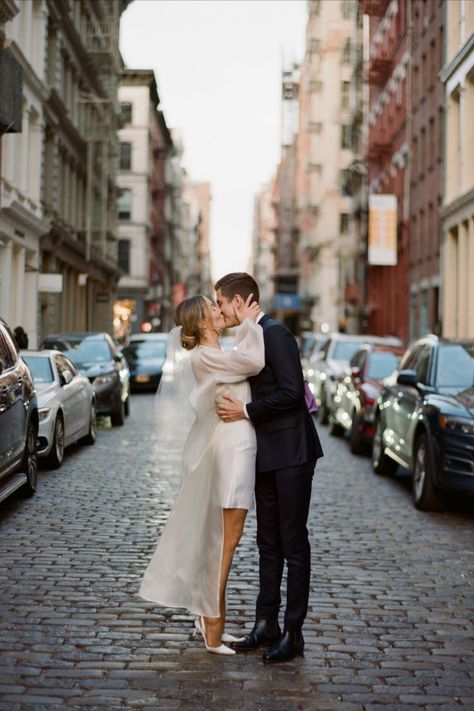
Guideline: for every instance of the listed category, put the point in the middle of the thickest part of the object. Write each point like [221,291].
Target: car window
[344,350]
[357,360]
[422,364]
[88,351]
[146,350]
[455,367]
[381,365]
[410,359]
[40,369]
[325,348]
[7,353]
[64,364]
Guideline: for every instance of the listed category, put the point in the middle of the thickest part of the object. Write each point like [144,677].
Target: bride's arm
[243,361]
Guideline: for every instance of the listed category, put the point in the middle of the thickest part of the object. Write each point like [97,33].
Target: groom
[287,449]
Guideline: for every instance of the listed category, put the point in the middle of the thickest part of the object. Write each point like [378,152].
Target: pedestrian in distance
[191,563]
[288,447]
[21,337]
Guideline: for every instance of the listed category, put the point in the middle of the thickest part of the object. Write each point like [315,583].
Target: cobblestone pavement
[390,624]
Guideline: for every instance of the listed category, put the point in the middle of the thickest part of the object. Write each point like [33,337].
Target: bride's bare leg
[234,520]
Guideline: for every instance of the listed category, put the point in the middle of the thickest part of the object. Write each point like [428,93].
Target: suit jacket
[286,435]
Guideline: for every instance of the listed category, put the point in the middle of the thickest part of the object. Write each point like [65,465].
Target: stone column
[462,280]
[6,258]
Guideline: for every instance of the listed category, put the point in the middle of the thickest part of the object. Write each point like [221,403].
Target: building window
[345,88]
[124,204]
[344,223]
[124,255]
[345,136]
[346,9]
[346,52]
[316,168]
[315,86]
[125,156]
[345,182]
[125,113]
[315,127]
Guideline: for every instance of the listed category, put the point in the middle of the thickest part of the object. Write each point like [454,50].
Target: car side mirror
[408,377]
[66,377]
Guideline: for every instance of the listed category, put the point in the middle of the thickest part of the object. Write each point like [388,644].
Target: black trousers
[283,498]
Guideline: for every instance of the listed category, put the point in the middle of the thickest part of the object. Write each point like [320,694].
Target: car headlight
[43,413]
[456,424]
[104,379]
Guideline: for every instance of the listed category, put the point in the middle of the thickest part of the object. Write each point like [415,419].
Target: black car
[146,357]
[18,420]
[96,356]
[424,420]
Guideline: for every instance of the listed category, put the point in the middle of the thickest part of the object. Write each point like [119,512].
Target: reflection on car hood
[461,403]
[93,370]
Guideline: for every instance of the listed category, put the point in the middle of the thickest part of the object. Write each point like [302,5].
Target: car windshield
[87,351]
[145,350]
[455,368]
[381,365]
[344,350]
[40,369]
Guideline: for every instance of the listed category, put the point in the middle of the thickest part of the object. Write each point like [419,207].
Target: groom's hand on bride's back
[230,409]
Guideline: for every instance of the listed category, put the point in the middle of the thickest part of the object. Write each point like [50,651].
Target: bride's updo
[190,315]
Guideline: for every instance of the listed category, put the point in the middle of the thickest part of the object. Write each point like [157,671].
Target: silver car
[66,404]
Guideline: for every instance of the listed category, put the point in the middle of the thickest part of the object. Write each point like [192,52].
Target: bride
[191,563]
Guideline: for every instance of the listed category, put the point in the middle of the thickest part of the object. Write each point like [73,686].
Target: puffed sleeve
[243,361]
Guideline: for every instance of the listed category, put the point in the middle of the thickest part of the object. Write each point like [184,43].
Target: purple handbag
[309,398]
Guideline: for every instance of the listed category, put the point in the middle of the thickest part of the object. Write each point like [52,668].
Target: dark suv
[96,356]
[18,421]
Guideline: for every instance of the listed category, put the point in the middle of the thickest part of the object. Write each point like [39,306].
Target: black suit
[287,449]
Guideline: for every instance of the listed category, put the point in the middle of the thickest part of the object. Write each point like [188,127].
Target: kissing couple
[252,438]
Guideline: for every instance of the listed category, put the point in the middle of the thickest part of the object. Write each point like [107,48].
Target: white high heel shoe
[199,626]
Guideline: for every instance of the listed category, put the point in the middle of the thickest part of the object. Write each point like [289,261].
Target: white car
[66,404]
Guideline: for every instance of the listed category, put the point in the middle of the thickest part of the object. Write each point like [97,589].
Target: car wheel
[118,416]
[425,494]
[323,413]
[381,463]
[29,464]
[91,436]
[357,443]
[56,456]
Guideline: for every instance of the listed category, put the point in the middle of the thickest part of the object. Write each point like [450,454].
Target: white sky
[218,69]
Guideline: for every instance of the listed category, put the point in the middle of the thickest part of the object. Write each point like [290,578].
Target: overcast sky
[218,68]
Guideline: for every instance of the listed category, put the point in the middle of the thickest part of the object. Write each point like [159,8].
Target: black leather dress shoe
[290,645]
[263,632]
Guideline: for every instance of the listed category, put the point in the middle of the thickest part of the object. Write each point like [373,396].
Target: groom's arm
[283,357]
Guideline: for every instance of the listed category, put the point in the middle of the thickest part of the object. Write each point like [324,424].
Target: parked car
[18,420]
[353,405]
[66,404]
[96,356]
[331,361]
[311,344]
[146,355]
[424,420]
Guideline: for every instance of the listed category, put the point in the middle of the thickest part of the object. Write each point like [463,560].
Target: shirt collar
[260,316]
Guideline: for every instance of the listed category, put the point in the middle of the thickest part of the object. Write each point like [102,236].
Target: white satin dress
[218,473]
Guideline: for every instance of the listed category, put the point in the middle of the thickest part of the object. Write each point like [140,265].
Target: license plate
[142,378]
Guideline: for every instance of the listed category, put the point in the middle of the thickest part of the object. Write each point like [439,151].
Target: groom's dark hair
[239,283]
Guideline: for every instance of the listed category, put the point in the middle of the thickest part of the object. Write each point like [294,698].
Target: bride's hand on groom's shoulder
[247,310]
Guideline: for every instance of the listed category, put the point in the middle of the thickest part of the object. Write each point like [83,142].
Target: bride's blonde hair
[189,315]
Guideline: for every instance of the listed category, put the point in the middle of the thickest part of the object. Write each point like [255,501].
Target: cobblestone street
[391,620]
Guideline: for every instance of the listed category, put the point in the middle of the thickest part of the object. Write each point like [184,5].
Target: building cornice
[458,204]
[37,225]
[449,69]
